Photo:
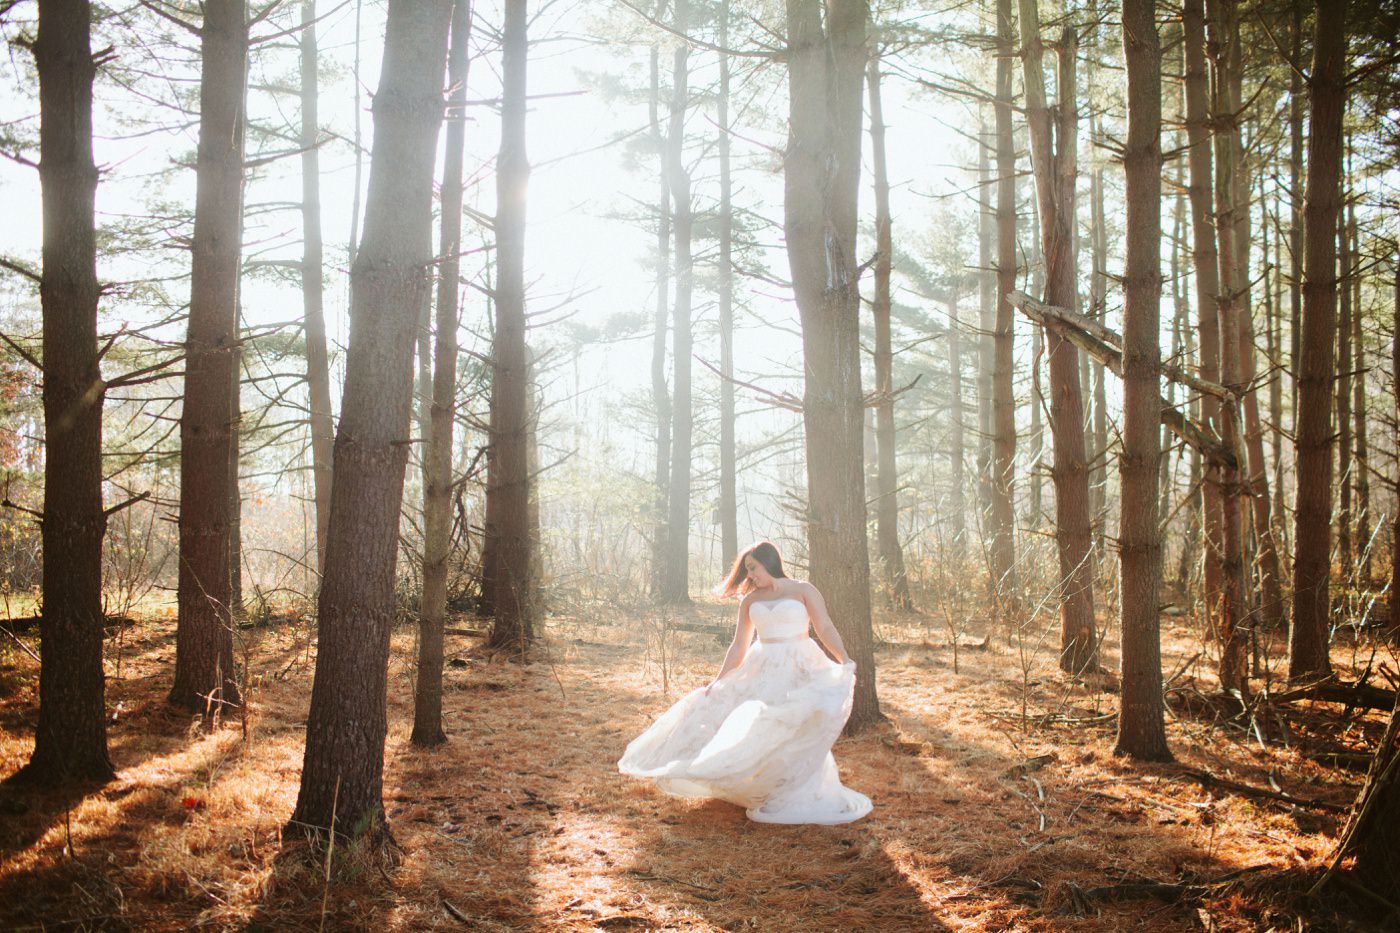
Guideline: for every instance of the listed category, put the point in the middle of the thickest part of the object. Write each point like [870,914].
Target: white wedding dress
[762,737]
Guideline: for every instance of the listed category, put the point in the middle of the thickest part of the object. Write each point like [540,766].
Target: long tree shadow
[86,857]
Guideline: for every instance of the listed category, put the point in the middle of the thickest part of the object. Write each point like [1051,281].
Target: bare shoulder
[805,590]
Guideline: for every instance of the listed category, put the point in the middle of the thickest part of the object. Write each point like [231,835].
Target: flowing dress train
[762,737]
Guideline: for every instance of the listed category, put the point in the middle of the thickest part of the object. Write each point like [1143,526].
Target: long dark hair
[738,582]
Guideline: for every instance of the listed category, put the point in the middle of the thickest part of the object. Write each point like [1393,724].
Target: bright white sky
[580,255]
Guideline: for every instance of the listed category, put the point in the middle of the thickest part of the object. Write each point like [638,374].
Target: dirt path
[521,821]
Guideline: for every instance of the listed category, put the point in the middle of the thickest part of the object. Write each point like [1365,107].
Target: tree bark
[70,744]
[1313,444]
[826,70]
[675,587]
[887,474]
[205,677]
[1053,145]
[342,772]
[728,468]
[1003,364]
[512,587]
[437,473]
[1141,732]
[318,373]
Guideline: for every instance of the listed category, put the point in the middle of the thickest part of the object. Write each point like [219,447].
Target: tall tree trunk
[318,372]
[70,744]
[728,467]
[661,395]
[205,678]
[1003,360]
[957,450]
[1206,269]
[826,71]
[512,587]
[1395,524]
[1098,300]
[887,474]
[676,583]
[1235,623]
[1362,453]
[986,320]
[1313,444]
[1297,100]
[1037,396]
[1053,145]
[1257,483]
[235,491]
[342,772]
[437,472]
[1141,732]
[1343,389]
[1372,833]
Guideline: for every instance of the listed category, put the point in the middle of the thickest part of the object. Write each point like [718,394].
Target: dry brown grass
[521,822]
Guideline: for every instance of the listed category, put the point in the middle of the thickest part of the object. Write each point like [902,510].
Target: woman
[760,734]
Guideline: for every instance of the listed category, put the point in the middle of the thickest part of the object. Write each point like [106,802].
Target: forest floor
[998,800]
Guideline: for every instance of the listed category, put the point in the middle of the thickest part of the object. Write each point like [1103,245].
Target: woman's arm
[743,637]
[822,625]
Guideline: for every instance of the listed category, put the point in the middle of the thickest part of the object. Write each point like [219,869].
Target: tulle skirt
[761,738]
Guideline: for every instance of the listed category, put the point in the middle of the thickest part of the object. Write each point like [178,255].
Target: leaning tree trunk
[318,373]
[511,585]
[1003,361]
[728,494]
[1235,623]
[342,772]
[1372,833]
[1313,444]
[887,473]
[826,70]
[675,583]
[205,678]
[70,744]
[1053,143]
[1141,732]
[437,471]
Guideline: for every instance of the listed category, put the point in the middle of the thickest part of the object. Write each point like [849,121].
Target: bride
[760,734]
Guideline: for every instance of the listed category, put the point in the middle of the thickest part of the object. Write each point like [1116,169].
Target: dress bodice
[782,619]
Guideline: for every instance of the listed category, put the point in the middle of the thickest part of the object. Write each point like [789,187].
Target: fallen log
[1208,780]
[1337,691]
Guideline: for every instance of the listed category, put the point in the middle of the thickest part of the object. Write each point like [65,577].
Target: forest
[387,387]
